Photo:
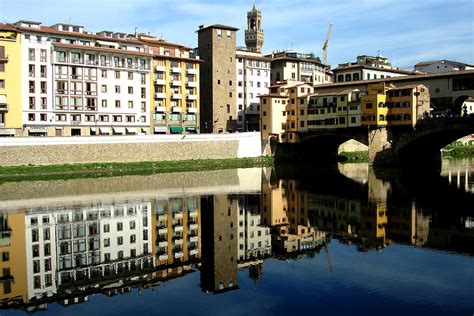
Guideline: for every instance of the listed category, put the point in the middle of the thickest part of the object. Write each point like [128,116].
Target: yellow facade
[370,110]
[14,286]
[10,81]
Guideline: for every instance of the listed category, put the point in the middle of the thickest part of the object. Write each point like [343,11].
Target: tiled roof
[103,49]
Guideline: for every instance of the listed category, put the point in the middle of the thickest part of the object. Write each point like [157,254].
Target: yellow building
[174,88]
[283,111]
[13,279]
[386,104]
[10,81]
[177,231]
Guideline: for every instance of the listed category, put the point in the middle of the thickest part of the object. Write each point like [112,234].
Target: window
[130,90]
[219,33]
[117,75]
[43,55]
[119,226]
[31,54]
[117,89]
[120,240]
[130,75]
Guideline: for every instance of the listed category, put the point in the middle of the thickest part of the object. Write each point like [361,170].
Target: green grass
[354,156]
[458,150]
[95,170]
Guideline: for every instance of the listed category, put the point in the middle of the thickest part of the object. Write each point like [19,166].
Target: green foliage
[355,156]
[95,170]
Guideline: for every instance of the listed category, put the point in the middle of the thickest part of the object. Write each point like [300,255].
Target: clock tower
[254,32]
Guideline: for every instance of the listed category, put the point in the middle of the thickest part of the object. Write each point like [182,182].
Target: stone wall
[97,149]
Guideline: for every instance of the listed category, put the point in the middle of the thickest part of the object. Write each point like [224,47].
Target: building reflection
[65,253]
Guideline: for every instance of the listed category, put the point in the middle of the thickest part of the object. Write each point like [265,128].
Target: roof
[335,70]
[261,58]
[179,58]
[441,61]
[51,30]
[309,60]
[414,77]
[7,27]
[338,92]
[163,43]
[217,26]
[103,49]
[273,95]
[407,86]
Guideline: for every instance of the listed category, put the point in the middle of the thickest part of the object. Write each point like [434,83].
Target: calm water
[335,240]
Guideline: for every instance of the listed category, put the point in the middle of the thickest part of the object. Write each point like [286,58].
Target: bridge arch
[425,144]
[458,104]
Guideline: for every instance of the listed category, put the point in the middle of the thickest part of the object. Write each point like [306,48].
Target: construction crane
[325,46]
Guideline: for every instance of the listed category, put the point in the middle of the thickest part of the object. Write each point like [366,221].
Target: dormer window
[65,28]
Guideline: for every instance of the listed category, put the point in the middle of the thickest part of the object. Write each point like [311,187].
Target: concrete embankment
[101,149]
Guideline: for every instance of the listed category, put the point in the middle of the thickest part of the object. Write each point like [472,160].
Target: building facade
[367,68]
[216,47]
[10,81]
[253,80]
[437,66]
[293,66]
[174,87]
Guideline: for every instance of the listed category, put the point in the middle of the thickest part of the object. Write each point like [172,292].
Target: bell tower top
[254,34]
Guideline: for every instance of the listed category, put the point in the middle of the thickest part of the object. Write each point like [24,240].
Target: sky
[406,31]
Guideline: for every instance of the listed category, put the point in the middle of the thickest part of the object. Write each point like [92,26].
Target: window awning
[191,128]
[176,130]
[103,43]
[119,130]
[131,130]
[160,129]
[104,130]
[94,129]
[3,99]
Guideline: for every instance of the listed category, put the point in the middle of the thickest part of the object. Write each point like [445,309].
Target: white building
[81,83]
[437,66]
[253,80]
[254,238]
[71,244]
[367,68]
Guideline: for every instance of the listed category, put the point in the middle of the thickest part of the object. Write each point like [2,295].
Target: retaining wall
[98,149]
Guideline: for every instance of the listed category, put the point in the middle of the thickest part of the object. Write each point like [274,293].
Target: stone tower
[254,32]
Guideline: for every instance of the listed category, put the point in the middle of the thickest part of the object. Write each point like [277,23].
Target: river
[342,239]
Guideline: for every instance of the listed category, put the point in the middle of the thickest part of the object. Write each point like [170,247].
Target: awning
[103,43]
[131,130]
[191,128]
[176,130]
[94,129]
[160,129]
[104,130]
[3,99]
[119,130]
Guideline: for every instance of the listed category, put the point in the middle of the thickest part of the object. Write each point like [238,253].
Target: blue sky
[406,31]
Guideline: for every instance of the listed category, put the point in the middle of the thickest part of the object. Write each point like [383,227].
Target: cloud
[403,30]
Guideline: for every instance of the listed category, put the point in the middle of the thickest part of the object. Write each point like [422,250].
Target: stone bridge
[393,145]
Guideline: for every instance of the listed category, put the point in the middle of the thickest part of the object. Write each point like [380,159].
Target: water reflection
[61,250]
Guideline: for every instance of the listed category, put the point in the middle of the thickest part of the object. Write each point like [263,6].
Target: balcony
[178,215]
[163,231]
[163,244]
[160,68]
[176,109]
[191,84]
[194,239]
[178,241]
[178,229]
[192,111]
[176,83]
[160,109]
[160,95]
[3,106]
[193,252]
[191,97]
[176,96]
[192,213]
[178,255]
[163,257]
[191,71]
[160,82]
[193,226]
[3,59]
[176,70]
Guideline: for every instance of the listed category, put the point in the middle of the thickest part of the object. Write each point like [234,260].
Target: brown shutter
[2,51]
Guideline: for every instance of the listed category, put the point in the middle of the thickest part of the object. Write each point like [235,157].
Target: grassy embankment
[458,150]
[93,170]
[354,156]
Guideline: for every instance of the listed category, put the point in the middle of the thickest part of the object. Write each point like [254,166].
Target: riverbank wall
[120,149]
